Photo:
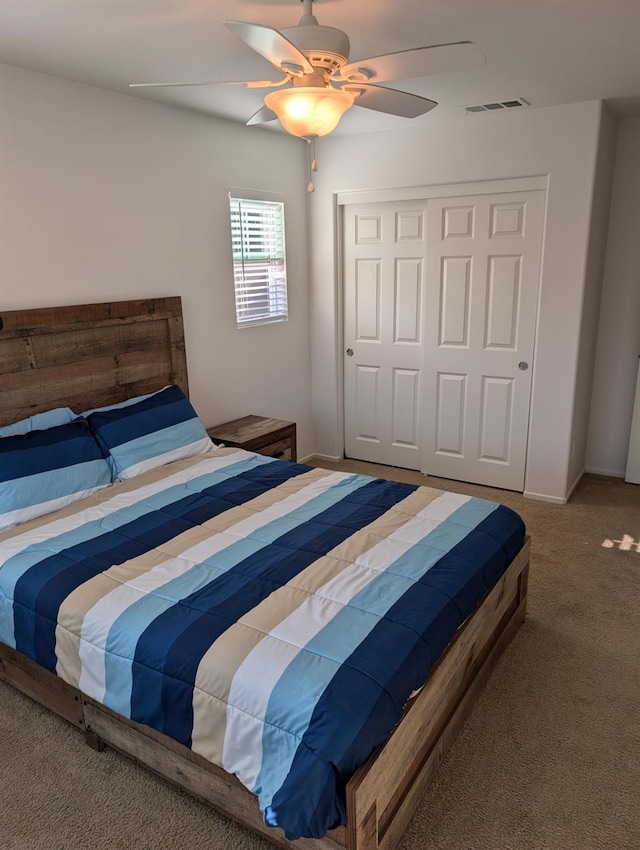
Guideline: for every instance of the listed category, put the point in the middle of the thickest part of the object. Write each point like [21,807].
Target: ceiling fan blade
[417,62]
[392,101]
[272,45]
[262,116]
[250,84]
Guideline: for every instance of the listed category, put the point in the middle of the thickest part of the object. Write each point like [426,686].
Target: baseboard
[330,458]
[555,500]
[542,497]
[610,473]
[575,484]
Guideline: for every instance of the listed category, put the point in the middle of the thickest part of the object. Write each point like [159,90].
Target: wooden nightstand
[271,437]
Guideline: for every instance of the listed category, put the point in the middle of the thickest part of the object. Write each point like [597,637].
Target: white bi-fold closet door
[440,302]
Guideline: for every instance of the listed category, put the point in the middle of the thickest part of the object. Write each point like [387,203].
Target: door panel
[495,419]
[405,408]
[503,297]
[367,280]
[455,285]
[450,413]
[407,306]
[367,402]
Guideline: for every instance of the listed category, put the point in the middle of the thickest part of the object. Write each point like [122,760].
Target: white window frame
[259,257]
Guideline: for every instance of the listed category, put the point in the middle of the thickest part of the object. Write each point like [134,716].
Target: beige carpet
[549,757]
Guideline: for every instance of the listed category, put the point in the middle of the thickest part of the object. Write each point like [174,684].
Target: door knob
[349,352]
[523,365]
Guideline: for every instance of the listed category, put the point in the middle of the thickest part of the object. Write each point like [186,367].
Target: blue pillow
[151,433]
[45,470]
[39,421]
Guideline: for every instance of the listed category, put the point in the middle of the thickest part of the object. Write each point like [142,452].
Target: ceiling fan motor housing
[325,47]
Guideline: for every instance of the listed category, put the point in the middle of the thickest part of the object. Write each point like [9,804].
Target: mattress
[271,616]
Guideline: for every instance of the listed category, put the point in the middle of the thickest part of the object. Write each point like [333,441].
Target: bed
[355,562]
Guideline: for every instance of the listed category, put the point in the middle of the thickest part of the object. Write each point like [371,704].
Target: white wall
[619,331]
[597,246]
[560,142]
[105,196]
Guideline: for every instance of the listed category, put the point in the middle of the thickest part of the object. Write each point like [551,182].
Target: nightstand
[271,437]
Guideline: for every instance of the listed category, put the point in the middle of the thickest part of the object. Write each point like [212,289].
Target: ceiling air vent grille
[497,105]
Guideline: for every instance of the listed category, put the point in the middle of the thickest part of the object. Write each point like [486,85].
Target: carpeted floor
[549,757]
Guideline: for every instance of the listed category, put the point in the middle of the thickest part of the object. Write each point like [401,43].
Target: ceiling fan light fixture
[309,112]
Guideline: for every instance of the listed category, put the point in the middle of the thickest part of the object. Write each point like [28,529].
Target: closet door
[384,280]
[440,304]
[483,270]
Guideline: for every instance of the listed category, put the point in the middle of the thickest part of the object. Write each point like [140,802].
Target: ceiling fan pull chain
[313,165]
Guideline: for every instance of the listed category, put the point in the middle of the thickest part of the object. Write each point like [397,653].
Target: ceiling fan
[318,82]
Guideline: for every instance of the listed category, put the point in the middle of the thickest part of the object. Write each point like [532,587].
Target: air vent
[494,107]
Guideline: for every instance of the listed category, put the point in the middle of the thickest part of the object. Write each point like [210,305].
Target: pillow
[150,433]
[119,404]
[40,421]
[45,470]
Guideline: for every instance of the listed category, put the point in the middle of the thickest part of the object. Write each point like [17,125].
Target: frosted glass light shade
[309,112]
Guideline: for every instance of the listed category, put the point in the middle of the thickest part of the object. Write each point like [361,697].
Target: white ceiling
[548,52]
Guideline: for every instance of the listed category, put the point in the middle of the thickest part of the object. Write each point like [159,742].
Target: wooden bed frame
[84,356]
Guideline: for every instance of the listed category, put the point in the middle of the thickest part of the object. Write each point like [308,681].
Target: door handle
[349,352]
[523,365]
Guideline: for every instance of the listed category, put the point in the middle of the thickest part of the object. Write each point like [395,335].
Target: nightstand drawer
[281,449]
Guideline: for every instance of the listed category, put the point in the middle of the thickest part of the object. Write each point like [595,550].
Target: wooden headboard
[88,355]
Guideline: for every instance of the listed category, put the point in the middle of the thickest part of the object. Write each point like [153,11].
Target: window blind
[259,266]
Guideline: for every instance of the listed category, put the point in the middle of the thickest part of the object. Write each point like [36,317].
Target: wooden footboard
[383,793]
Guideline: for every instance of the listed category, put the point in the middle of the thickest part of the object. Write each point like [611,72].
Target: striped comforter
[271,616]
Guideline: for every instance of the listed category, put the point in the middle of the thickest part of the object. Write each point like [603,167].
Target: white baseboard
[556,500]
[542,497]
[610,473]
[575,484]
[330,458]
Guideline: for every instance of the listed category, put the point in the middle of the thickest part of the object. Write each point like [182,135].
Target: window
[259,266]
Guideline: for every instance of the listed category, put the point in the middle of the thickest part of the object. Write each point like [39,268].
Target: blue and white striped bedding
[271,616]
[149,431]
[43,470]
